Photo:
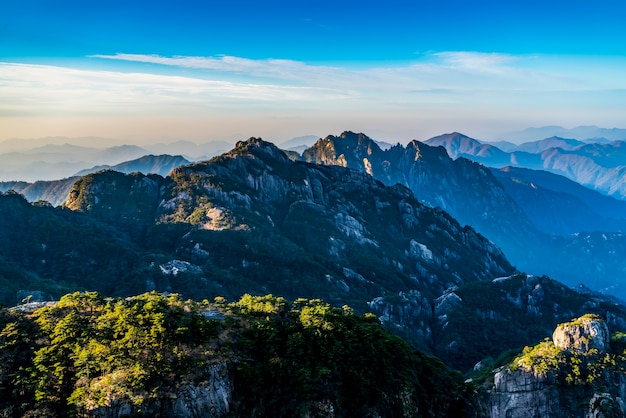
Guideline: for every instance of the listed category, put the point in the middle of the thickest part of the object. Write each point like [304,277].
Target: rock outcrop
[584,334]
[520,395]
[574,375]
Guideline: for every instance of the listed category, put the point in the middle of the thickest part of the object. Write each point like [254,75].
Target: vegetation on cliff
[86,353]
[580,372]
[583,359]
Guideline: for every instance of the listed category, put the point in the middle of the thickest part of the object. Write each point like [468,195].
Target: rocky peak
[257,147]
[583,334]
[351,139]
[128,200]
[348,150]
[427,152]
[330,211]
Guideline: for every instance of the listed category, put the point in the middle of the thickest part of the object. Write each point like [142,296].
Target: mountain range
[148,164]
[56,191]
[254,221]
[559,206]
[49,159]
[582,133]
[536,217]
[471,193]
[599,166]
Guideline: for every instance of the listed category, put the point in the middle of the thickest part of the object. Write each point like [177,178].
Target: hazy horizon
[16,143]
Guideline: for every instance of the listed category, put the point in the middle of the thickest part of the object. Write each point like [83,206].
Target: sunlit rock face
[582,335]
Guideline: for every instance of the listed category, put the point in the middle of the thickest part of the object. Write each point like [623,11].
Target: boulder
[583,334]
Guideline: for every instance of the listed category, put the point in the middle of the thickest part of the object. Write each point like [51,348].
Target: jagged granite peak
[347,150]
[257,147]
[468,191]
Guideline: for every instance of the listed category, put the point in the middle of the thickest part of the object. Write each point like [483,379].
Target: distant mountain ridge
[557,205]
[56,191]
[307,140]
[64,162]
[148,164]
[599,166]
[581,133]
[536,147]
[55,158]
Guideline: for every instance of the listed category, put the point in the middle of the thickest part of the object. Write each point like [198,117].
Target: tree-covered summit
[259,356]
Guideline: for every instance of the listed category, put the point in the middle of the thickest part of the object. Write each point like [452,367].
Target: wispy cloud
[455,84]
[268,68]
[30,89]
[462,71]
[475,60]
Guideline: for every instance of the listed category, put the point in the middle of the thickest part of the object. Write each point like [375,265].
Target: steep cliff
[579,373]
[466,190]
[213,397]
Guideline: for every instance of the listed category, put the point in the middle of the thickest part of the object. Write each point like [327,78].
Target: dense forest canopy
[87,352]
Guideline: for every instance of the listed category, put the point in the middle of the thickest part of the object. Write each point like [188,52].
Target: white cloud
[268,68]
[32,89]
[446,86]
[481,61]
[461,71]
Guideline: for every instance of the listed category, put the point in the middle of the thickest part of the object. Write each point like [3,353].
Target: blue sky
[396,70]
